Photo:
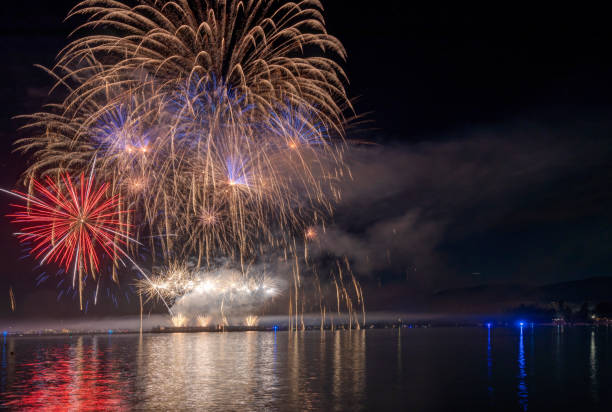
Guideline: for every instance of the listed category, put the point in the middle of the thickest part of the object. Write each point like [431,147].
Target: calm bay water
[542,368]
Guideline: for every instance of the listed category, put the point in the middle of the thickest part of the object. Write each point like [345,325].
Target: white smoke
[226,295]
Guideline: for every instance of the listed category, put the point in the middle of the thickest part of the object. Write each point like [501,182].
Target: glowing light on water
[522,374]
[489,361]
[593,368]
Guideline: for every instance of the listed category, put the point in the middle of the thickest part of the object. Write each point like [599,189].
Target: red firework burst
[72,224]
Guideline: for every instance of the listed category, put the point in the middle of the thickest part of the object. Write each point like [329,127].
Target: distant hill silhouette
[592,290]
[499,296]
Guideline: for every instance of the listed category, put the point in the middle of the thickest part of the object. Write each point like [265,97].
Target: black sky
[493,127]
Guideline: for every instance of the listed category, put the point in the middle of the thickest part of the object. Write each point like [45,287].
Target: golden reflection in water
[557,350]
[337,363]
[330,362]
[303,370]
[349,363]
[593,366]
[294,365]
[322,350]
[191,371]
[399,355]
[358,347]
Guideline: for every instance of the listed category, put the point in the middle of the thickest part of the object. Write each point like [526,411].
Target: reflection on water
[522,375]
[489,363]
[231,371]
[8,364]
[186,371]
[66,375]
[593,366]
[557,350]
[399,355]
[405,369]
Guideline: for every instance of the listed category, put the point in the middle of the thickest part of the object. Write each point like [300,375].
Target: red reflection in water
[70,377]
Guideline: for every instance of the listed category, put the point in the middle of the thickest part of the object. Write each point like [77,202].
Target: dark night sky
[493,128]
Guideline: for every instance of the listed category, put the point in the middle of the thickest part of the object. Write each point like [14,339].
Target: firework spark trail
[12,299]
[147,280]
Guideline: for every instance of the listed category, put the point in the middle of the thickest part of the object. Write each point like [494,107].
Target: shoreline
[280,328]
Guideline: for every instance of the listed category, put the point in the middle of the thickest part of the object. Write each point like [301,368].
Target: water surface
[542,368]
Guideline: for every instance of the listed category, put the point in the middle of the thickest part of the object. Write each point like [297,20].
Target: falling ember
[12,299]
[251,321]
[203,321]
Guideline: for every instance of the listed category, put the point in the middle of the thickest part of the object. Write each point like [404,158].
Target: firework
[256,48]
[219,123]
[311,233]
[203,321]
[179,320]
[234,144]
[251,321]
[72,225]
[205,294]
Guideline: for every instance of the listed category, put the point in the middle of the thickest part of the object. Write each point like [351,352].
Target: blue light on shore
[489,324]
[4,333]
[110,331]
[275,327]
[521,324]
